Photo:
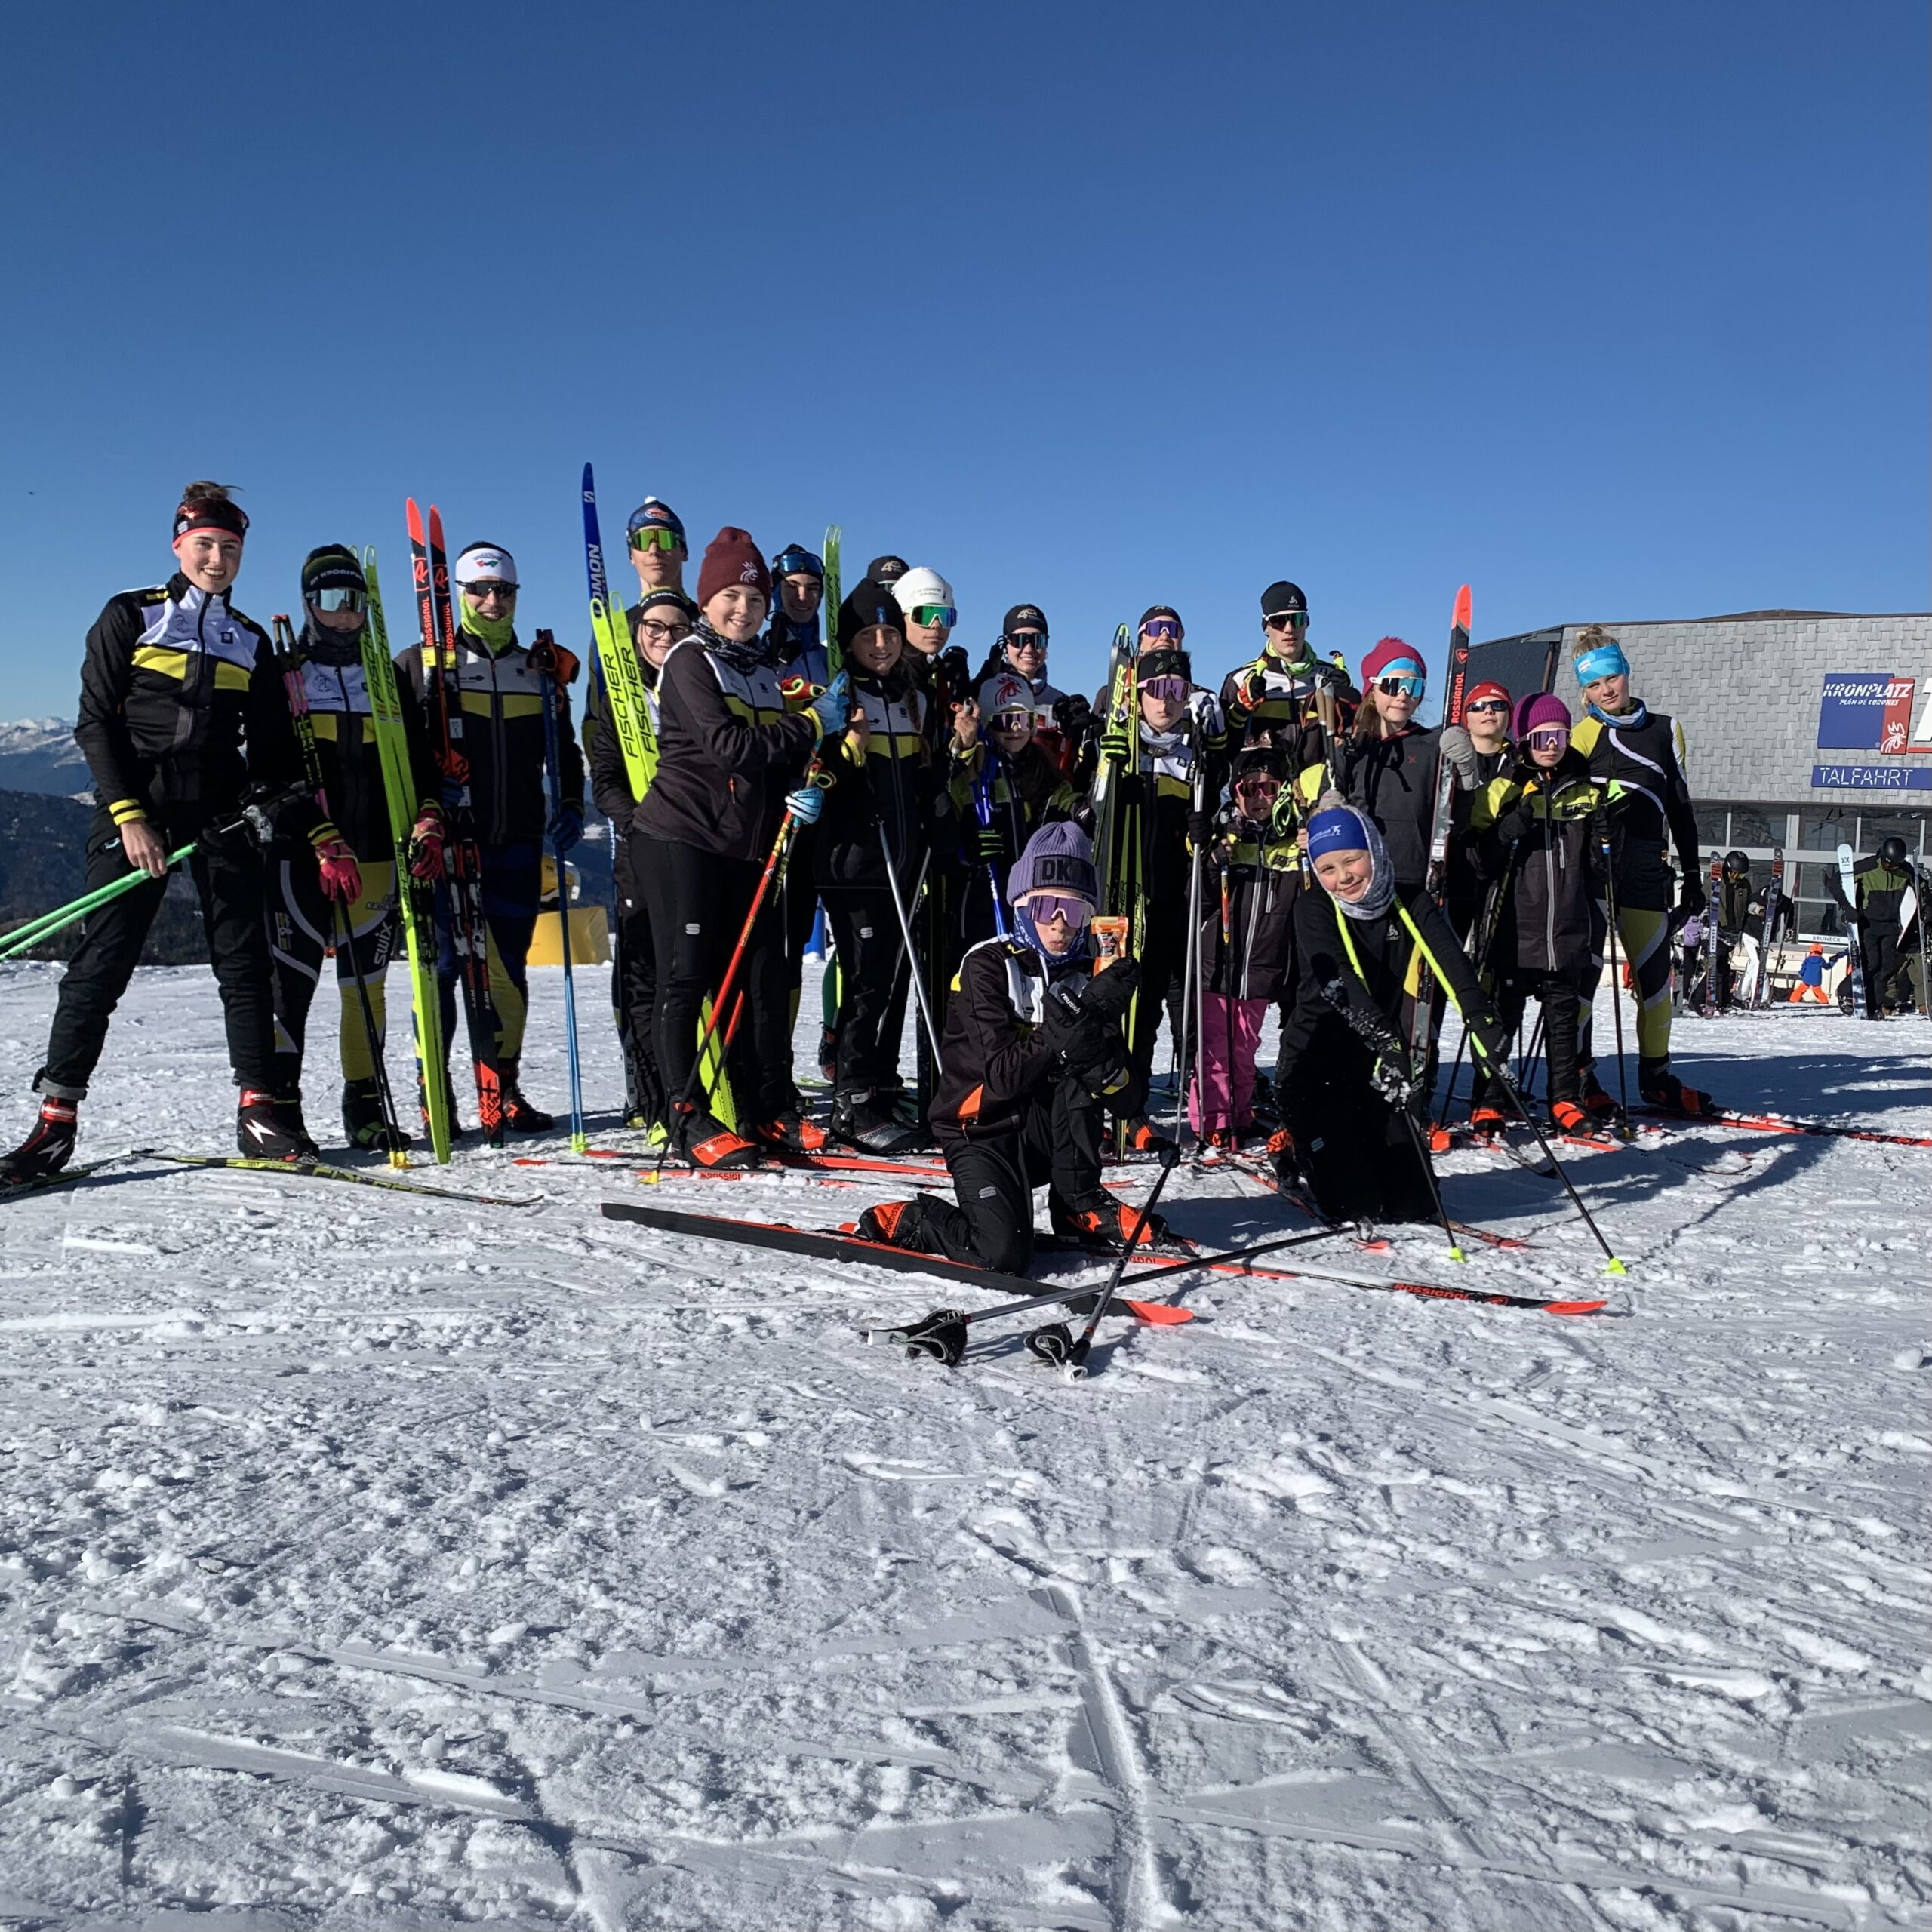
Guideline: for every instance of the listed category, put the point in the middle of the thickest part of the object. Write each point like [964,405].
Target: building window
[1829,828]
[1713,824]
[1751,825]
[1908,825]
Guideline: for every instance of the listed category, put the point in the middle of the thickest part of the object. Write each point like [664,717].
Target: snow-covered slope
[367,1561]
[39,754]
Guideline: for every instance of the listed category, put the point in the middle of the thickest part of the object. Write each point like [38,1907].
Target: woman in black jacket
[1359,943]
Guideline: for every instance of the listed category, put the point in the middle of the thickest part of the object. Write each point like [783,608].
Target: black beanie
[331,566]
[870,604]
[1282,596]
[1165,660]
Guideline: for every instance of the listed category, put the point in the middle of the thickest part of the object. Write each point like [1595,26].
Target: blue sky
[1613,312]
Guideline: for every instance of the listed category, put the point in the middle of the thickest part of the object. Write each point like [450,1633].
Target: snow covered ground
[368,1561]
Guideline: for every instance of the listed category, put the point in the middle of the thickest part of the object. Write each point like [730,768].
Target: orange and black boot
[791,1133]
[1570,1120]
[706,1141]
[894,1224]
[1485,1122]
[1143,1136]
[1661,1089]
[1281,1157]
[1107,1224]
[49,1147]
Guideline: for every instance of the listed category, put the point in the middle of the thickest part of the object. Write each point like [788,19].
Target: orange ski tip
[1465,604]
[1573,1307]
[1158,1314]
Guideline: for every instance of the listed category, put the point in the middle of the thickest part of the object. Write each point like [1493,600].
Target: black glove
[1082,815]
[1689,906]
[1200,829]
[1391,1078]
[1100,1063]
[1074,715]
[1518,823]
[956,668]
[1107,995]
[1490,1049]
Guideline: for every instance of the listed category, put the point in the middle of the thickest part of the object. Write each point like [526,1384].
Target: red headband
[210,513]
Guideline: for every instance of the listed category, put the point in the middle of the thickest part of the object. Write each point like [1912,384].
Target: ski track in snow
[367,1561]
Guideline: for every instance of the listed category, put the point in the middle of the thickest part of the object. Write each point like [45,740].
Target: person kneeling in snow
[1352,1104]
[1032,1058]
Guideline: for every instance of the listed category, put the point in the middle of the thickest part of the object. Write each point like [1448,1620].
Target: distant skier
[1881,880]
[183,721]
[1811,986]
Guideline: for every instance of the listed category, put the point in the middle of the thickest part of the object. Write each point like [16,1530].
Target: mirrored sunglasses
[340,597]
[479,593]
[654,537]
[1161,627]
[942,614]
[1549,738]
[1026,641]
[1487,704]
[1174,689]
[1286,620]
[1043,908]
[1403,684]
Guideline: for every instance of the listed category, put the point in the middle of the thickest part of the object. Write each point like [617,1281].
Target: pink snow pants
[1225,1076]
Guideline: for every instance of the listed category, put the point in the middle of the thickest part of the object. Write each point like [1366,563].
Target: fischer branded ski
[1861,994]
[829,599]
[1713,902]
[321,1170]
[463,862]
[413,896]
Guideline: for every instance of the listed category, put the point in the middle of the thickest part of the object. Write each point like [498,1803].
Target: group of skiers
[1034,877]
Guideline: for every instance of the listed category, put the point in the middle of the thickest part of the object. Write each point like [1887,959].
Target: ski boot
[706,1141]
[1107,1224]
[519,1116]
[790,1132]
[362,1119]
[1486,1123]
[1267,1109]
[1143,1136]
[1571,1121]
[49,1147]
[1661,1089]
[828,1055]
[861,1121]
[269,1129]
[895,1224]
[1281,1157]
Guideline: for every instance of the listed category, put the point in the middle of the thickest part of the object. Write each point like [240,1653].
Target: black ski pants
[1879,948]
[1360,1158]
[635,978]
[697,901]
[302,925]
[228,876]
[1057,1142]
[1560,995]
[865,930]
[1163,969]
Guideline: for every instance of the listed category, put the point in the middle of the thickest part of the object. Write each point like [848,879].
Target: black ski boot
[1107,1223]
[48,1148]
[1661,1089]
[519,1116]
[264,1130]
[897,1224]
[864,1121]
[362,1119]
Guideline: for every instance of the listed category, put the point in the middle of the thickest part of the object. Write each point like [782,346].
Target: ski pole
[48,923]
[552,689]
[779,846]
[919,993]
[1616,977]
[1186,1048]
[1047,1344]
[385,1095]
[1501,1076]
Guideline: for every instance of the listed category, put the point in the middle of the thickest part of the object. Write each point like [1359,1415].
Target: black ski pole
[385,1094]
[1616,979]
[1508,1086]
[1072,1363]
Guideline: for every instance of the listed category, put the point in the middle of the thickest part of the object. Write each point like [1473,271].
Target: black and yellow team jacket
[1286,716]
[1025,792]
[995,1058]
[181,710]
[502,712]
[350,761]
[1247,938]
[889,797]
[1652,810]
[727,749]
[1535,837]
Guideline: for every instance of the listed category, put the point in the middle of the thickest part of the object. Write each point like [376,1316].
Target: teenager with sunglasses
[1277,691]
[655,533]
[1033,1059]
[1021,648]
[1642,751]
[1534,835]
[182,719]
[500,689]
[1352,1104]
[1388,761]
[1479,748]
[731,762]
[660,619]
[1246,944]
[304,891]
[886,806]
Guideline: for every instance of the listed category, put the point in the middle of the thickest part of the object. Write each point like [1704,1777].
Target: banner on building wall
[1868,710]
[1872,777]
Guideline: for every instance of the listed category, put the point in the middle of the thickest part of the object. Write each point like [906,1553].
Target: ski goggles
[1174,690]
[1164,628]
[481,593]
[1549,738]
[941,614]
[1259,788]
[655,536]
[1014,721]
[796,562]
[1403,684]
[339,597]
[1044,908]
[1285,620]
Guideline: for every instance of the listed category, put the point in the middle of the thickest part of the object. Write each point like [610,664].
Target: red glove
[342,877]
[424,852]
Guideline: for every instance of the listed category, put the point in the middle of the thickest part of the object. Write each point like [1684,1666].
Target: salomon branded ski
[413,896]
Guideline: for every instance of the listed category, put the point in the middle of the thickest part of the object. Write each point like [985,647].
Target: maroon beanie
[1391,651]
[1540,708]
[731,558]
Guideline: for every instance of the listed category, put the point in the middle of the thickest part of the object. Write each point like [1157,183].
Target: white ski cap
[923,586]
[1004,692]
[486,563]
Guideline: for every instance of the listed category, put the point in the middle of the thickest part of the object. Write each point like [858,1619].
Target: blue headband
[1608,660]
[1339,829]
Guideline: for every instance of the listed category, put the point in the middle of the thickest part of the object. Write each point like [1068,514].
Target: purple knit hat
[1058,858]
[1540,708]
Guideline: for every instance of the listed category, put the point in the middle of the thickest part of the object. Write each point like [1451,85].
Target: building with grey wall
[1802,728]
